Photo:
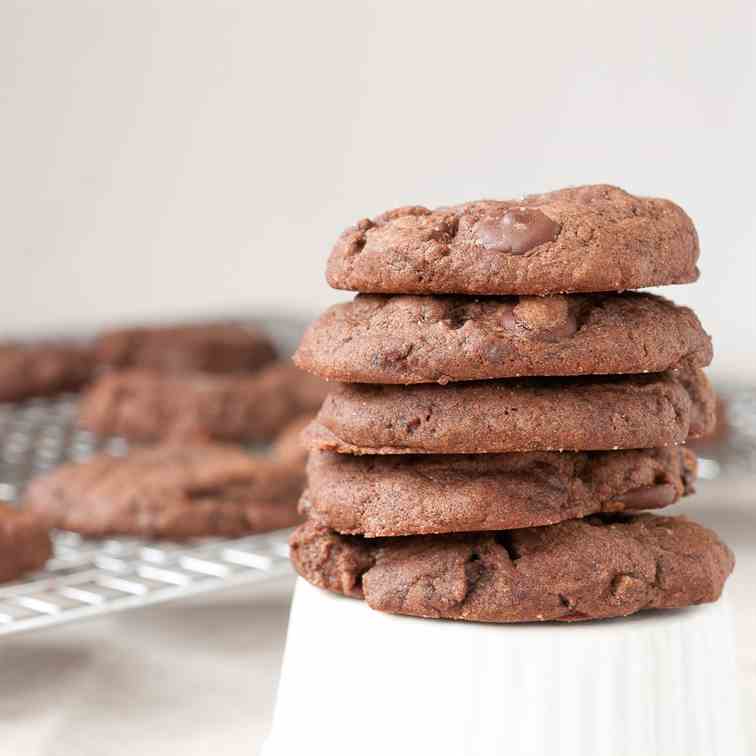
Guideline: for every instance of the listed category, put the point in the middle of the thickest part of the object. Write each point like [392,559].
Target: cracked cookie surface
[576,414]
[580,239]
[420,494]
[599,567]
[405,339]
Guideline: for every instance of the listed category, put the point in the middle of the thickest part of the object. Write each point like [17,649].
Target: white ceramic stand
[357,682]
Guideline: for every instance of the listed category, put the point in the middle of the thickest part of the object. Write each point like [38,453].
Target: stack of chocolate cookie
[506,409]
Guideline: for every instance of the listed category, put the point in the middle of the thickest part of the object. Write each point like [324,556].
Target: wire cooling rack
[88,577]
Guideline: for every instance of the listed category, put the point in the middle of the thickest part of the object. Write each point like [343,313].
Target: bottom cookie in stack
[598,567]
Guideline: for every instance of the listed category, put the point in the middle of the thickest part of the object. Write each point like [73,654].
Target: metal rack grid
[89,577]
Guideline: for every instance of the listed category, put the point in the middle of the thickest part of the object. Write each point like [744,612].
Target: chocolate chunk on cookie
[577,414]
[581,239]
[208,347]
[148,405]
[169,491]
[24,543]
[407,339]
[43,369]
[602,566]
[408,495]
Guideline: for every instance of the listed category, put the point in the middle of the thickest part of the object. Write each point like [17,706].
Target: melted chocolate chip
[650,497]
[518,231]
[546,318]
[564,330]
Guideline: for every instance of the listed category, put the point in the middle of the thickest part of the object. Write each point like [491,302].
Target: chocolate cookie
[599,567]
[408,495]
[169,492]
[208,347]
[42,369]
[588,238]
[147,405]
[24,543]
[288,445]
[416,339]
[611,412]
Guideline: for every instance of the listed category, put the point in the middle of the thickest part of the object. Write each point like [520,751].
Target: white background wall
[183,157]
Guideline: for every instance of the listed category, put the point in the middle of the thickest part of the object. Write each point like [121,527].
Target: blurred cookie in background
[209,347]
[169,491]
[24,543]
[730,449]
[150,405]
[720,430]
[289,446]
[43,368]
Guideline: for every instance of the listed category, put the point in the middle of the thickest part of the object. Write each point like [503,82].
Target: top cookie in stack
[528,393]
[589,238]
